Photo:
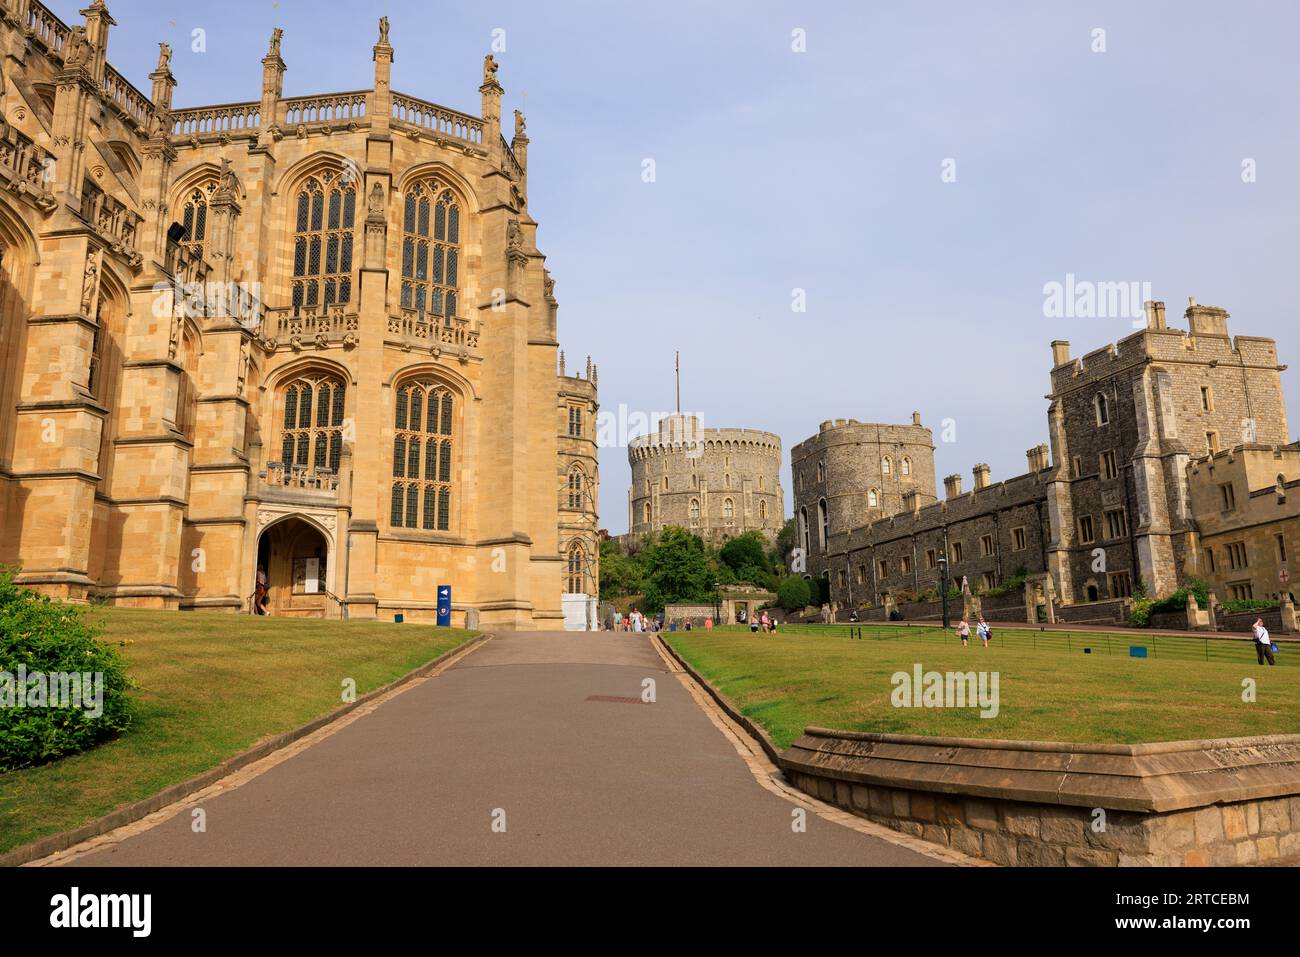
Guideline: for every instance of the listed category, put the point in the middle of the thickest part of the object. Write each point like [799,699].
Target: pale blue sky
[821,170]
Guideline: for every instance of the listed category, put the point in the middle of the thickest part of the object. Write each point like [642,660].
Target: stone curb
[756,732]
[130,813]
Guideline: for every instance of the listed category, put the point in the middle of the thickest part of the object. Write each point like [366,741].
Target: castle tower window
[322,245]
[695,511]
[728,510]
[821,471]
[575,421]
[873,498]
[803,529]
[885,465]
[762,510]
[1103,409]
[312,433]
[907,466]
[647,513]
[423,443]
[431,255]
[823,522]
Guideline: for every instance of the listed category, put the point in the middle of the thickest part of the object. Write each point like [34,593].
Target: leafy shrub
[792,593]
[1178,600]
[52,637]
[1237,605]
[1140,616]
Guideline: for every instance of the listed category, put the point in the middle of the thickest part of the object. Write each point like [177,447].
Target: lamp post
[943,587]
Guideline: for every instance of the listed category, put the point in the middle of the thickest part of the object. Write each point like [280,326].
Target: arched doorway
[295,556]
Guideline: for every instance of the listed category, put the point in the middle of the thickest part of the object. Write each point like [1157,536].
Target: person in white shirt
[982,629]
[1263,643]
[963,632]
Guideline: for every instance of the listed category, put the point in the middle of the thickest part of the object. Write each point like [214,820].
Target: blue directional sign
[444,606]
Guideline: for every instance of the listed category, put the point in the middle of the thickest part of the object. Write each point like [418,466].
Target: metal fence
[1110,644]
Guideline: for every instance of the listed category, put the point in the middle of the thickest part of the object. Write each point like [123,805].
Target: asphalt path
[507,759]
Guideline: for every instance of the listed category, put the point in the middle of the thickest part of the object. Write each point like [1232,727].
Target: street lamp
[943,587]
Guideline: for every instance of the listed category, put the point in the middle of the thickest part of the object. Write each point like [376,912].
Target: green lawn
[1049,689]
[211,685]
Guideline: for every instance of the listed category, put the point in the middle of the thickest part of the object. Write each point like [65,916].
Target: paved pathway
[511,727]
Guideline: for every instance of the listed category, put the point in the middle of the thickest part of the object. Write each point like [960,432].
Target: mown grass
[1049,689]
[209,686]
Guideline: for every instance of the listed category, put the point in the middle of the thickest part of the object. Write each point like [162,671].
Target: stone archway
[295,555]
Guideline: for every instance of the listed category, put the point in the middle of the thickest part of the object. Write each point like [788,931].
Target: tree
[678,568]
[785,541]
[746,555]
[792,593]
[620,574]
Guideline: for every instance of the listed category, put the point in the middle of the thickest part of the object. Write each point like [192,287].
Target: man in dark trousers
[1263,643]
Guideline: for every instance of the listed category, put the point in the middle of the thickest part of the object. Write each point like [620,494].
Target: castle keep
[1124,493]
[717,483]
[313,334]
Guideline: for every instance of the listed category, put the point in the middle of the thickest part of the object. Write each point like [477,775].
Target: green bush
[792,593]
[1237,605]
[1178,600]
[52,637]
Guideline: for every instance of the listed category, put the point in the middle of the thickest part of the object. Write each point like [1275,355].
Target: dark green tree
[792,593]
[678,568]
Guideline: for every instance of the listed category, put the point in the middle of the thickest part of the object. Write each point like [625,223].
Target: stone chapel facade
[312,334]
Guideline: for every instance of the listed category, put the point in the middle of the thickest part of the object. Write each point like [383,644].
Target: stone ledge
[1157,777]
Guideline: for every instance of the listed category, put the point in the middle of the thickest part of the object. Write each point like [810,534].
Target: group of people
[763,621]
[982,630]
[1264,647]
[636,622]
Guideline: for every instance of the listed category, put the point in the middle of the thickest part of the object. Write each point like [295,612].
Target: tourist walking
[963,632]
[983,630]
[1263,643]
[766,622]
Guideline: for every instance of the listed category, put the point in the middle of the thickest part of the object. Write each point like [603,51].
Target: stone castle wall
[1104,508]
[718,483]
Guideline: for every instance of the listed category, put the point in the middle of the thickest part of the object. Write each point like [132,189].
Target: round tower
[851,473]
[717,483]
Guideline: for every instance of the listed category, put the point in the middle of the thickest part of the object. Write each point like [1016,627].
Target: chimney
[1060,352]
[952,486]
[981,473]
[1038,457]
[1206,320]
[916,418]
[1155,314]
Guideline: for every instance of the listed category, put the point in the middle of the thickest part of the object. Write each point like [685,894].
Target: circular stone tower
[718,483]
[851,473]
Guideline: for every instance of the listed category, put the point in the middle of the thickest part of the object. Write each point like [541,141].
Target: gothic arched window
[322,244]
[1103,409]
[873,498]
[423,434]
[576,573]
[194,217]
[312,435]
[824,522]
[575,482]
[728,510]
[762,509]
[695,511]
[907,466]
[430,251]
[885,466]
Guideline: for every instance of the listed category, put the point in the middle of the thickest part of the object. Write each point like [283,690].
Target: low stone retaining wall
[1030,803]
